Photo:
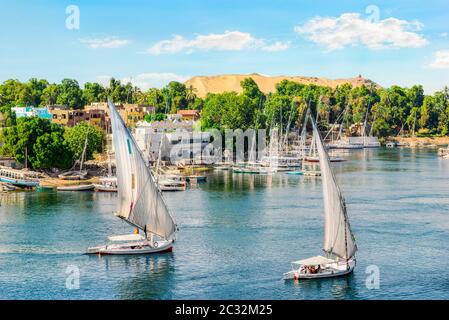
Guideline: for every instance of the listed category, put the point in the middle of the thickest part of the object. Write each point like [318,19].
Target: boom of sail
[140,201]
[338,237]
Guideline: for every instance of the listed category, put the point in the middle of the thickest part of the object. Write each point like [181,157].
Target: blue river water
[238,234]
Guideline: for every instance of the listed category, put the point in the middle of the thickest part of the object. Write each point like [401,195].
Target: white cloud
[103,80]
[441,60]
[443,35]
[227,41]
[153,80]
[277,46]
[350,29]
[104,43]
[146,80]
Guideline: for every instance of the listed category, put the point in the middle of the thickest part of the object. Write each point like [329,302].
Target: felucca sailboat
[140,202]
[339,243]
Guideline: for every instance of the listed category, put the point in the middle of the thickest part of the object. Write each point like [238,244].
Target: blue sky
[153,42]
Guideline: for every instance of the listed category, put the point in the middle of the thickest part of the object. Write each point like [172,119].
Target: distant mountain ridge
[231,82]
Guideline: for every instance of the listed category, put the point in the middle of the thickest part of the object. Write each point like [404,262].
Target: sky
[153,42]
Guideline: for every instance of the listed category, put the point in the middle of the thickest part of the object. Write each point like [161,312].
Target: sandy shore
[55,182]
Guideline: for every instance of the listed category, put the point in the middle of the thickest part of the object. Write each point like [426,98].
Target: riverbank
[420,142]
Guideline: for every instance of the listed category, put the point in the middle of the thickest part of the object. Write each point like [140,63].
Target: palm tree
[190,94]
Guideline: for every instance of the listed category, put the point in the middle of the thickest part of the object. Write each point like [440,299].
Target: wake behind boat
[339,242]
[140,201]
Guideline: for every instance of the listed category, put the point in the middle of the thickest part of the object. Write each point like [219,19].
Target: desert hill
[231,82]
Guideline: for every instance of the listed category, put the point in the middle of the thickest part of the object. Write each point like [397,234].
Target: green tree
[36,88]
[76,138]
[191,95]
[115,91]
[175,96]
[429,115]
[381,128]
[50,95]
[94,92]
[442,108]
[52,151]
[70,94]
[228,111]
[250,88]
[37,142]
[8,117]
[10,92]
[155,117]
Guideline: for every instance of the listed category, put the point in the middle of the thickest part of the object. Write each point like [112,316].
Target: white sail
[140,200]
[338,237]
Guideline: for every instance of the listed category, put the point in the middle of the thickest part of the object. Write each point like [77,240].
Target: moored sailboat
[140,201]
[81,174]
[339,242]
[108,183]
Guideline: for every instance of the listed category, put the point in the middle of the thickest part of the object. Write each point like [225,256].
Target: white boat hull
[132,248]
[308,173]
[334,270]
[105,188]
[345,146]
[87,187]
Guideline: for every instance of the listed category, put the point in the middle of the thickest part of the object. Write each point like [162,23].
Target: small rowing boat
[196,178]
[171,185]
[79,187]
[107,184]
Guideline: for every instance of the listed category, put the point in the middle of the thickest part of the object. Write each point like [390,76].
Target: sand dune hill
[231,82]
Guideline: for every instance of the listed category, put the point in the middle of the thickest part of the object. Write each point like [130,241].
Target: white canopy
[314,261]
[126,237]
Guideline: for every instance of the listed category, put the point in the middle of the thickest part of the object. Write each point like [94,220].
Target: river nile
[238,234]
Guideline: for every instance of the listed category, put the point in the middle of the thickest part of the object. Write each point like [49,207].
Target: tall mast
[83,155]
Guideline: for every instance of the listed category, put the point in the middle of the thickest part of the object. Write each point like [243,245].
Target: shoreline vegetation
[405,115]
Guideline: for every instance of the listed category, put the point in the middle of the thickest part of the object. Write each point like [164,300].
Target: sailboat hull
[132,248]
[332,271]
[105,188]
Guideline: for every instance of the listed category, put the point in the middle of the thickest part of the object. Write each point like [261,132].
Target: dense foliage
[68,93]
[38,143]
[391,111]
[155,117]
[76,139]
[44,145]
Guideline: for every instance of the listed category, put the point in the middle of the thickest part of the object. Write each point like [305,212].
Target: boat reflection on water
[150,276]
[339,288]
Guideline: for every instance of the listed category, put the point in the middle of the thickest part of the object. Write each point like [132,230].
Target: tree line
[387,111]
[68,93]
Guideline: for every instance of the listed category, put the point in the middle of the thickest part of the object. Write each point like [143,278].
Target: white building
[177,141]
